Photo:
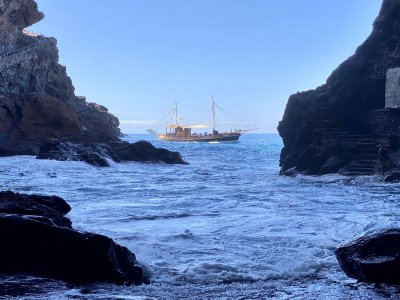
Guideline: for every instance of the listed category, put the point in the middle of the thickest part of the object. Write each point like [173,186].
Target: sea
[225,226]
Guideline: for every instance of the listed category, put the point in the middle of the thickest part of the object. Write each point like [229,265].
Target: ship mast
[213,113]
[176,115]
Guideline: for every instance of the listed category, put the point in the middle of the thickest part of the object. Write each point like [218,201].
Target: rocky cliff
[37,100]
[337,126]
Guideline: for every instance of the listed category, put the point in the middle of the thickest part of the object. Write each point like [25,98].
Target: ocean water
[226,226]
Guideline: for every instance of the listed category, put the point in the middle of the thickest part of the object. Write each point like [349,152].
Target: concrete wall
[392,94]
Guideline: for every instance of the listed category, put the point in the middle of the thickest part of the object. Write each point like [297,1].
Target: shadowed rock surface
[372,258]
[96,154]
[52,207]
[37,239]
[338,126]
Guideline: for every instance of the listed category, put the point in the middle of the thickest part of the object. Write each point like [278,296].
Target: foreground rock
[372,258]
[97,153]
[51,207]
[38,239]
[338,126]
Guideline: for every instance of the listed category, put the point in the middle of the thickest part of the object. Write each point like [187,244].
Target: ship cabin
[183,130]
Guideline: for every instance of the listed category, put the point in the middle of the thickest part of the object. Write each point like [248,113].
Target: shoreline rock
[337,127]
[38,239]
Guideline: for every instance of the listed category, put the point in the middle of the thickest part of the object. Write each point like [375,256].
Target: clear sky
[139,57]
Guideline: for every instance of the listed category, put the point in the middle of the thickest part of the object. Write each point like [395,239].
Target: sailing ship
[177,132]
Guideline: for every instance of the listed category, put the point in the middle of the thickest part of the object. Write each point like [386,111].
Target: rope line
[20,49]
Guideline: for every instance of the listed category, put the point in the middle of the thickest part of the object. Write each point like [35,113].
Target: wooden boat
[176,132]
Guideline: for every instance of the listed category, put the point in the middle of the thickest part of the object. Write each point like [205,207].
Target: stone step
[370,154]
[329,129]
[367,166]
[367,156]
[356,173]
[366,144]
[360,167]
[364,170]
[367,161]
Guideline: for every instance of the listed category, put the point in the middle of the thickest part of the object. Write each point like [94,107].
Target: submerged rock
[96,154]
[372,258]
[34,241]
[337,126]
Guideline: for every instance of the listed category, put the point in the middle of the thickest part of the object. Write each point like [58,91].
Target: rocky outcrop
[372,258]
[38,105]
[143,151]
[19,14]
[337,126]
[38,239]
[37,100]
[97,154]
[51,207]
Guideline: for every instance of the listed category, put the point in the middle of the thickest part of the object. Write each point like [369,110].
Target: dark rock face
[96,153]
[336,118]
[38,239]
[372,258]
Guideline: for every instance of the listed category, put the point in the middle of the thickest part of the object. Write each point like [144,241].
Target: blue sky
[139,57]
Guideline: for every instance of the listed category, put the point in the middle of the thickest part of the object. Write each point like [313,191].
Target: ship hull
[226,137]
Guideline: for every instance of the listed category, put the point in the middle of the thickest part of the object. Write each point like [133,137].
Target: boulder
[372,258]
[33,241]
[52,207]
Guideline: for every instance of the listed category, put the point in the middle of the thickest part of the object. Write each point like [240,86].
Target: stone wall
[392,94]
